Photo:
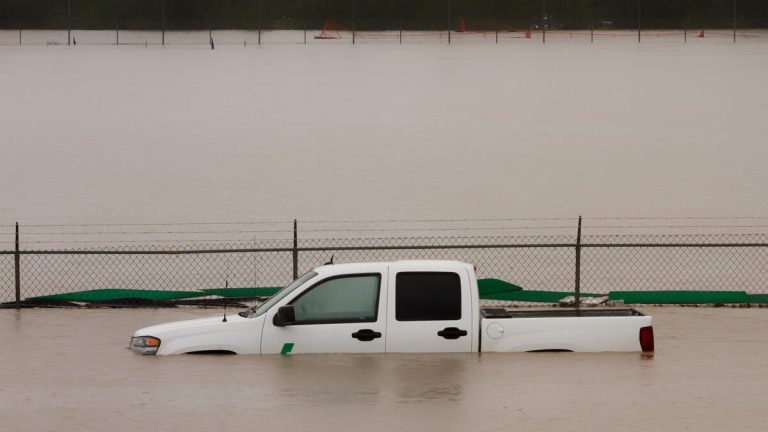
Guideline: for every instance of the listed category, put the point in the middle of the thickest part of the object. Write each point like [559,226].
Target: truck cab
[398,307]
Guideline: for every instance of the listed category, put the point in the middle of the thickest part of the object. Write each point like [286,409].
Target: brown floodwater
[69,369]
[105,134]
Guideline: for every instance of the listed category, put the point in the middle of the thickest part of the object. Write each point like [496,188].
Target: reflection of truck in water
[409,306]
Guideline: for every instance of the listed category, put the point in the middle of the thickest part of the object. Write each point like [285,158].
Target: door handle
[452,333]
[366,335]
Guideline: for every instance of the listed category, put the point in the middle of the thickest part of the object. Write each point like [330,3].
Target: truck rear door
[429,309]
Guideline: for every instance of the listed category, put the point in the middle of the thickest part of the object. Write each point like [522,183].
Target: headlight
[145,344]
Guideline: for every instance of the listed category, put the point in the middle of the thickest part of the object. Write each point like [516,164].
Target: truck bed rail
[557,313]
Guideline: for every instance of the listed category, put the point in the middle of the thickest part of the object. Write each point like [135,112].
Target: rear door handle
[452,333]
[366,335]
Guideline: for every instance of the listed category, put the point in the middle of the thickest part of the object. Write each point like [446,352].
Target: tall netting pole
[117,22]
[162,21]
[543,21]
[592,23]
[354,11]
[449,22]
[734,21]
[639,18]
[303,20]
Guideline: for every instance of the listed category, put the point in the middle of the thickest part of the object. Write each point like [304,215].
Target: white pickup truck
[396,307]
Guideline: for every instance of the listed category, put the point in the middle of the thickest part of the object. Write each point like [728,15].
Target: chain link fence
[187,268]
[608,263]
[676,262]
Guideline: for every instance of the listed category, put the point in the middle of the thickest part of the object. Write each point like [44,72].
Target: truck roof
[355,266]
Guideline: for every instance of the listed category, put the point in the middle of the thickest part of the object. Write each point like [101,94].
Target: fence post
[577,294]
[259,7]
[17,264]
[69,22]
[295,250]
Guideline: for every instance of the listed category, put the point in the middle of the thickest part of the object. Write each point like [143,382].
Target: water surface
[71,370]
[183,133]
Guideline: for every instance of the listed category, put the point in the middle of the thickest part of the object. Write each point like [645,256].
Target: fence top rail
[383,247]
[673,245]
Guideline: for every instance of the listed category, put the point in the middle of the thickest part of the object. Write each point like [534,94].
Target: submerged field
[111,134]
[71,370]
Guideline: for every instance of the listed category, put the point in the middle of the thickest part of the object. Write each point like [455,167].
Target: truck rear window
[427,296]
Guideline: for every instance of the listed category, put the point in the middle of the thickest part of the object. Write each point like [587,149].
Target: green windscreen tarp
[495,286]
[680,297]
[243,292]
[112,294]
[490,289]
[758,298]
[533,296]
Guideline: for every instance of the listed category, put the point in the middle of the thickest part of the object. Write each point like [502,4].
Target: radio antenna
[226,285]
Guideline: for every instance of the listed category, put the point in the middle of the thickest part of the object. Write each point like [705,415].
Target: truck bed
[557,313]
[578,330]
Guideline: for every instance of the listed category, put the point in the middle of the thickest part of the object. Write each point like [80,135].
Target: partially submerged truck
[396,307]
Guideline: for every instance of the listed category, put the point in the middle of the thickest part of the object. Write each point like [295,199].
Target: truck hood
[238,334]
[198,326]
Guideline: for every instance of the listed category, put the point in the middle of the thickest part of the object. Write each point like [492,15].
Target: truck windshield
[258,310]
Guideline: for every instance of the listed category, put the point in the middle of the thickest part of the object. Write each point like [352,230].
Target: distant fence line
[575,263]
[415,18]
[245,38]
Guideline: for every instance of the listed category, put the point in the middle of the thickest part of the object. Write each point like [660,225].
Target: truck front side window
[343,299]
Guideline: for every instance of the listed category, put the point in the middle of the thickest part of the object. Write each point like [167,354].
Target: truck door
[343,313]
[429,310]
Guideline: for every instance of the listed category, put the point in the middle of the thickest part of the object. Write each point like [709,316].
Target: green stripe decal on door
[287,348]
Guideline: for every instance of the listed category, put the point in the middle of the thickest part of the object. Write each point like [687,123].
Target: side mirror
[284,316]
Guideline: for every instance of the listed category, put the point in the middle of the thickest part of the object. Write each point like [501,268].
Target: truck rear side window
[427,296]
